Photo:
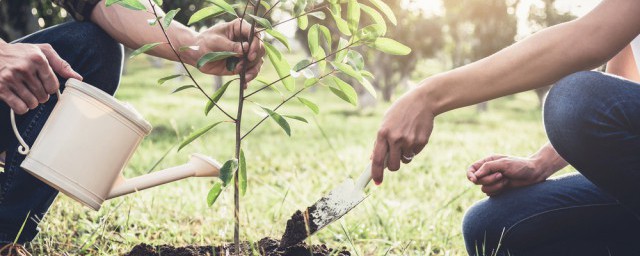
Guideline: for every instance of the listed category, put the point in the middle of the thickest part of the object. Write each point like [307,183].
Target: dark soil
[265,247]
[299,227]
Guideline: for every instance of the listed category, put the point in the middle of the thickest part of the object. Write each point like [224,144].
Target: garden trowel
[329,208]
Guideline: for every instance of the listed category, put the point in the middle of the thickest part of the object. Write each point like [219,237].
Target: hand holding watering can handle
[23,148]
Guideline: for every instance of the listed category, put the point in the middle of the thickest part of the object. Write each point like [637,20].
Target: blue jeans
[98,58]
[593,121]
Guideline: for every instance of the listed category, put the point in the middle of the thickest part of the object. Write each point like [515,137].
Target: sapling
[331,58]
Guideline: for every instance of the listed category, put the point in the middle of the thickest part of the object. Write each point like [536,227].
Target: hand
[27,74]
[497,173]
[227,37]
[404,132]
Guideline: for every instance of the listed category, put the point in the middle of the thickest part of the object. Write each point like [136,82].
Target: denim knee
[91,52]
[481,230]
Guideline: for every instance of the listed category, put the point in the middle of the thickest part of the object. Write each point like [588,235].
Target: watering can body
[86,143]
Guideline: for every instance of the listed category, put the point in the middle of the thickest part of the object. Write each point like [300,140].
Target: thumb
[60,66]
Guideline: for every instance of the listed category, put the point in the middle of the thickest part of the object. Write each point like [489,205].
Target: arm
[539,60]
[131,28]
[624,65]
[498,173]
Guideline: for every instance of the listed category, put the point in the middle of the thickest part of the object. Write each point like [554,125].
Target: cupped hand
[27,75]
[404,132]
[227,37]
[497,173]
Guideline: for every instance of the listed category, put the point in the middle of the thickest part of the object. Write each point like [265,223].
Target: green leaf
[216,97]
[168,18]
[386,10]
[280,37]
[226,171]
[342,53]
[301,65]
[158,2]
[152,22]
[242,176]
[344,91]
[265,4]
[390,46]
[280,120]
[303,22]
[369,87]
[327,36]
[318,15]
[129,4]
[342,25]
[189,47]
[370,33]
[214,192]
[355,59]
[281,65]
[368,74]
[299,7]
[231,63]
[311,81]
[375,16]
[224,5]
[207,12]
[144,49]
[214,56]
[184,87]
[167,78]
[347,70]
[299,118]
[353,15]
[313,39]
[196,135]
[265,23]
[310,105]
[318,55]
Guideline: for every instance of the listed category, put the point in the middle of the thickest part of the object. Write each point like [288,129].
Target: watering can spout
[198,166]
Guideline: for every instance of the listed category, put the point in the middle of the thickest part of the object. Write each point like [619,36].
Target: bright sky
[577,7]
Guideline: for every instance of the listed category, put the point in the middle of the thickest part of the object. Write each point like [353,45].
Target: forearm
[538,60]
[131,28]
[547,160]
[624,65]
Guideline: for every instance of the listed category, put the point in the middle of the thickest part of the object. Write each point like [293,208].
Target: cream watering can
[86,143]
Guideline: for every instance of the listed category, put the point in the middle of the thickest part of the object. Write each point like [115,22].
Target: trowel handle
[365,177]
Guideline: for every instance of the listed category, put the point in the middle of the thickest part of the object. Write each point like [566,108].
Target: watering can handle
[23,148]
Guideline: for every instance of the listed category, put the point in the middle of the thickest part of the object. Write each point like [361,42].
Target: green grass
[417,211]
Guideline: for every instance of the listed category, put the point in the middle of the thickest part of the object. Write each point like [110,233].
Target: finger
[394,156]
[254,52]
[59,65]
[491,167]
[407,154]
[471,176]
[490,179]
[377,163]
[241,29]
[15,102]
[25,95]
[33,83]
[480,162]
[48,79]
[495,189]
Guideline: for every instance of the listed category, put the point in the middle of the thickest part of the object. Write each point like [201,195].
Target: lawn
[416,211]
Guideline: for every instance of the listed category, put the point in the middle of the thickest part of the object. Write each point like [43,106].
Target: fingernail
[377,182]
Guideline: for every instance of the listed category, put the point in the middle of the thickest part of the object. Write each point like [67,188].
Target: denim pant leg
[98,58]
[593,121]
[567,215]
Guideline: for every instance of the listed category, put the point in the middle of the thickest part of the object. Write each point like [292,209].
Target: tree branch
[155,13]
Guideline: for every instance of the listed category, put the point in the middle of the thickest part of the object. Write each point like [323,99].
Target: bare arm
[539,60]
[624,65]
[132,29]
